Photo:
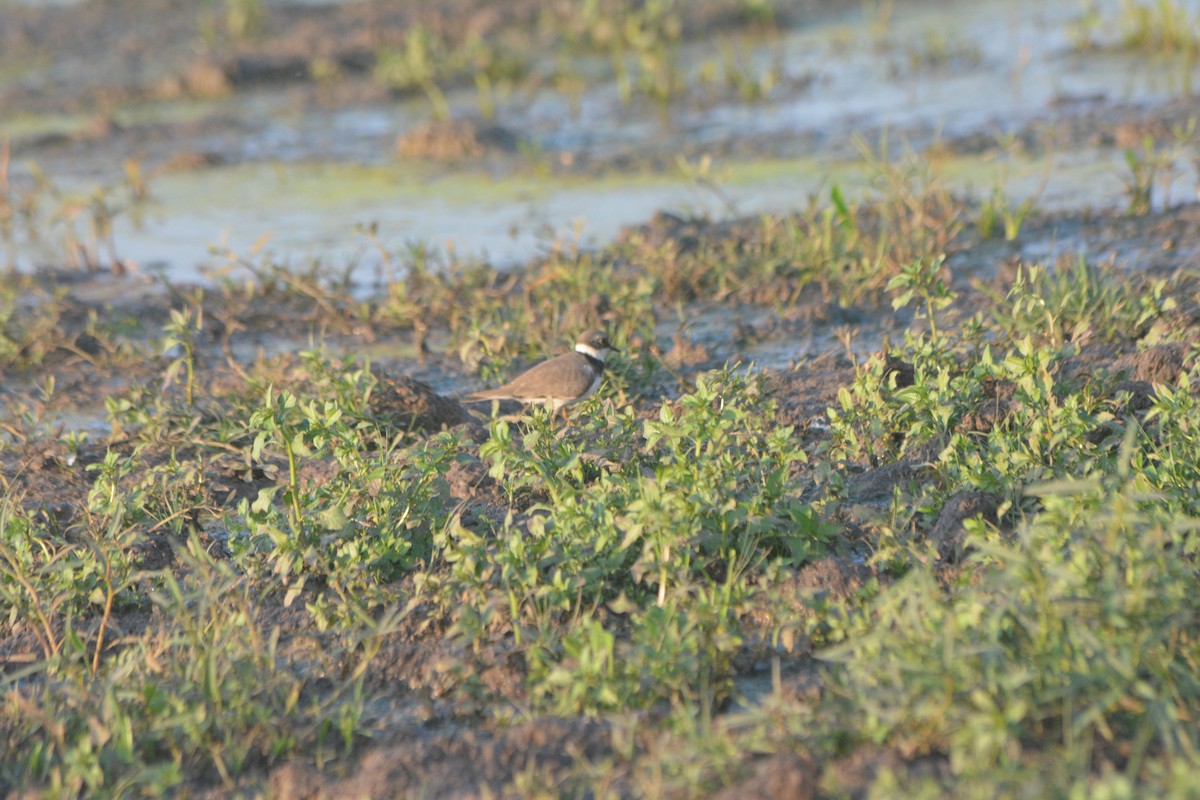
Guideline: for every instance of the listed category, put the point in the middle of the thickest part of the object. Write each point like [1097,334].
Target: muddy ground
[431,740]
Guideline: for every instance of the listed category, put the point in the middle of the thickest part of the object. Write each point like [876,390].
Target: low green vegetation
[214,586]
[427,61]
[1157,27]
[636,45]
[232,20]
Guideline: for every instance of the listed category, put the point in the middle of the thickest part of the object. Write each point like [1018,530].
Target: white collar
[590,351]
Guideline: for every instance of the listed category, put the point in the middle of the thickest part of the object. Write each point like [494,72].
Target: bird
[559,381]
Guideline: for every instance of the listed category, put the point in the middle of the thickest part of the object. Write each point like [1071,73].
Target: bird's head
[594,344]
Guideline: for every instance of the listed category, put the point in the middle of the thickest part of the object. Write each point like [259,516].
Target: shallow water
[306,212]
[302,180]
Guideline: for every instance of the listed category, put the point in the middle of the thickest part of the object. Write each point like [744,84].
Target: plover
[559,381]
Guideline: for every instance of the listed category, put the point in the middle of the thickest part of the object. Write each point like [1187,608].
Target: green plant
[28,335]
[923,281]
[245,19]
[863,425]
[180,335]
[371,520]
[206,689]
[940,50]
[643,521]
[1077,634]
[280,420]
[1160,26]
[1166,467]
[738,72]
[1076,300]
[999,211]
[235,20]
[640,39]
[428,60]
[417,66]
[1139,181]
[53,578]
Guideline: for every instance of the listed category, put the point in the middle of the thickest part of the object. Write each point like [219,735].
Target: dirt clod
[456,139]
[948,531]
[841,578]
[454,763]
[785,777]
[1159,364]
[409,404]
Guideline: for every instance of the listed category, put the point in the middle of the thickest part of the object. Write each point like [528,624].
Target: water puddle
[308,213]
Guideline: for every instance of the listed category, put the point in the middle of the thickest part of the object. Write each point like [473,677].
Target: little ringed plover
[559,381]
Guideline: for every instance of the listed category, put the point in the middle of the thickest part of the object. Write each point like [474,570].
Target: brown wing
[566,377]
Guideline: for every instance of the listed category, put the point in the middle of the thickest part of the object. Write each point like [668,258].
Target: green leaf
[300,446]
[265,497]
[621,604]
[333,519]
[901,300]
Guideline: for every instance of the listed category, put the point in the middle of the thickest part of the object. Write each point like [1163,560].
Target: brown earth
[441,742]
[434,740]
